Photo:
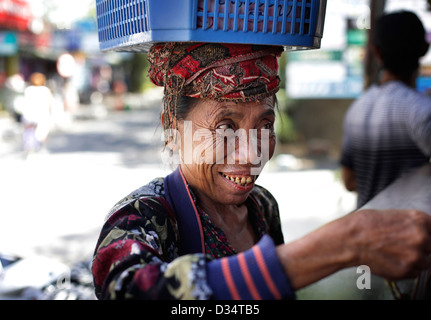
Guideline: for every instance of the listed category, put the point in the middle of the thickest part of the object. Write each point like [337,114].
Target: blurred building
[42,36]
[15,18]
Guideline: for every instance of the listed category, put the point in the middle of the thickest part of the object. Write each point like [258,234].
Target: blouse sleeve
[136,257]
[255,274]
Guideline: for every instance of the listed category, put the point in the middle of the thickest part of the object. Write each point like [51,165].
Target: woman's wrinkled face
[224,147]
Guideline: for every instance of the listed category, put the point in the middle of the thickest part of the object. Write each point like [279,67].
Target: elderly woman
[207,230]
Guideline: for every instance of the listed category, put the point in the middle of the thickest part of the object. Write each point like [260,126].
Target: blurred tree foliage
[137,69]
[284,126]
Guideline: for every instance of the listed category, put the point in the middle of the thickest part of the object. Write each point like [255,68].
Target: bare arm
[395,244]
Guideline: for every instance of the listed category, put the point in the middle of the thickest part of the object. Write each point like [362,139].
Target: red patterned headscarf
[222,72]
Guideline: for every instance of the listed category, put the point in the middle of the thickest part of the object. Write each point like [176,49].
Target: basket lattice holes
[255,16]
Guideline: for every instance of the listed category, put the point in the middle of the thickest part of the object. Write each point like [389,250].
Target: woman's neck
[223,214]
[232,219]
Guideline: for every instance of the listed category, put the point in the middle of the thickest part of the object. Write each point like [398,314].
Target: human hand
[394,244]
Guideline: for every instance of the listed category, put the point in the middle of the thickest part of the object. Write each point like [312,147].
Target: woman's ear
[171,135]
[174,141]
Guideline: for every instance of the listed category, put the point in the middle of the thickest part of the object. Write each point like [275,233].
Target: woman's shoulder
[264,199]
[154,189]
[260,191]
[269,208]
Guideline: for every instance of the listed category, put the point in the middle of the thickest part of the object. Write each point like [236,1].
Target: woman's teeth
[241,181]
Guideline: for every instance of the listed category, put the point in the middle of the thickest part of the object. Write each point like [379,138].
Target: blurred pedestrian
[71,97]
[119,88]
[387,131]
[36,115]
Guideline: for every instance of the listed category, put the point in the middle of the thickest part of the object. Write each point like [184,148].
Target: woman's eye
[269,126]
[224,126]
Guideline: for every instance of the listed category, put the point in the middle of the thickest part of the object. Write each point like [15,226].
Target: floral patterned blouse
[141,252]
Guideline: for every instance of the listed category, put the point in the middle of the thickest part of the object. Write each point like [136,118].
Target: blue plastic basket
[134,25]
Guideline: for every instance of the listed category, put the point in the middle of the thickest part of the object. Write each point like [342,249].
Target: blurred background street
[105,138]
[54,201]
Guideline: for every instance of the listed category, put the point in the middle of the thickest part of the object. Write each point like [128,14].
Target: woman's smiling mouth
[240,180]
